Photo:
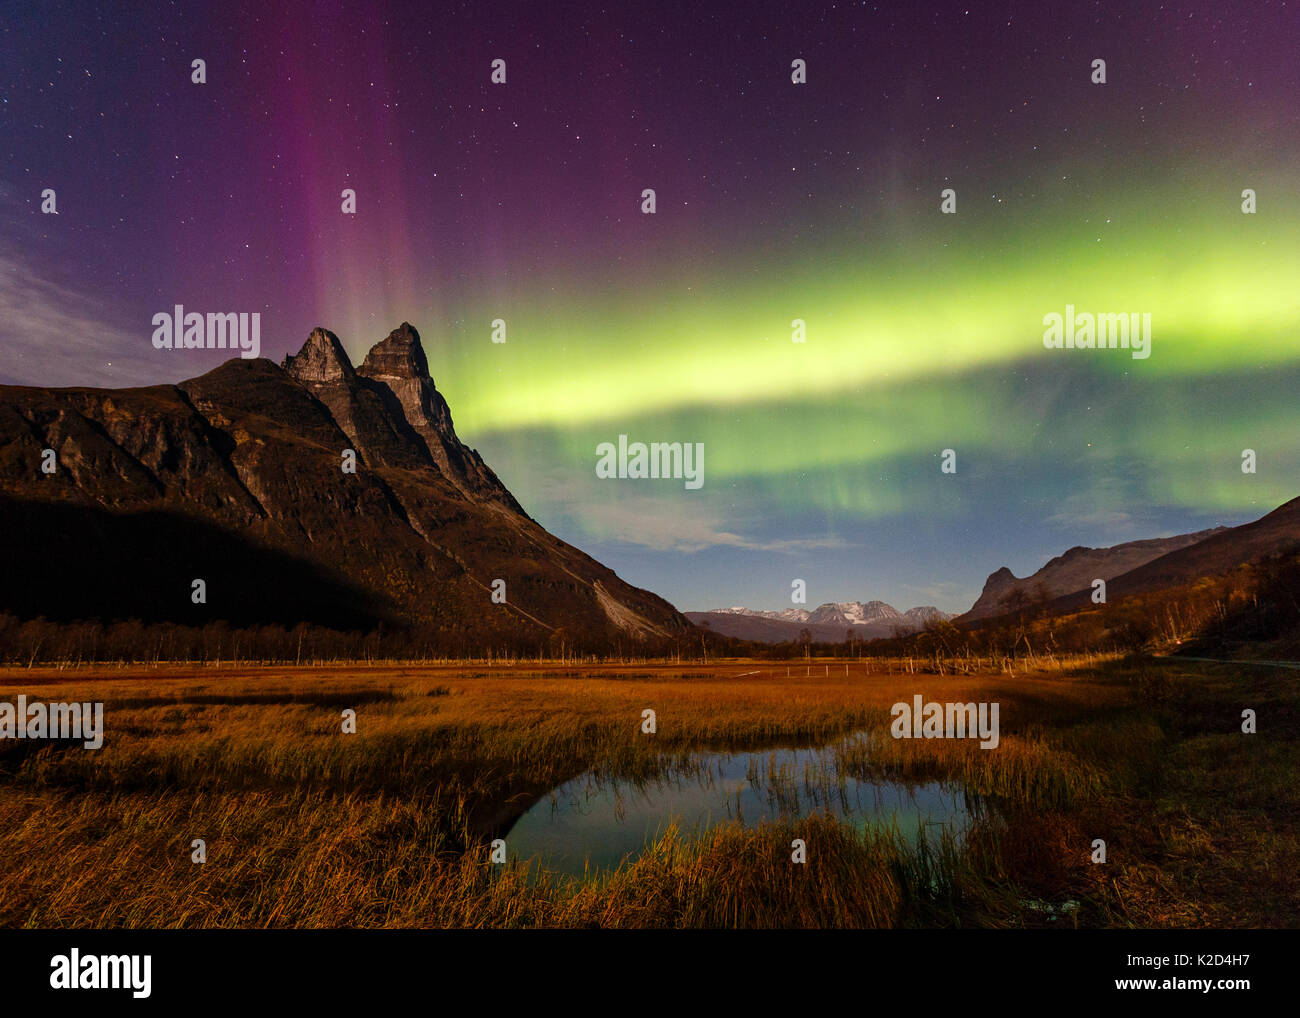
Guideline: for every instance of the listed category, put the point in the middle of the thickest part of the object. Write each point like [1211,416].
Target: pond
[592,823]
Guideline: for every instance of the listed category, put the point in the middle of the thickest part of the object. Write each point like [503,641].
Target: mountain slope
[248,460]
[1075,570]
[1225,549]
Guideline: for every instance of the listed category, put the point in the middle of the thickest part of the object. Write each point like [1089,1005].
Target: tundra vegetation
[308,827]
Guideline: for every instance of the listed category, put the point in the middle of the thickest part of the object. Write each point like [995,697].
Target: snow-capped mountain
[829,622]
[855,613]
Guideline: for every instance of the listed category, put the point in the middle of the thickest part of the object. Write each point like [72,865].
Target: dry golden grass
[308,827]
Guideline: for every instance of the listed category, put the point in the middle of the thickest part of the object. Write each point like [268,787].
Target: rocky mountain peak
[321,359]
[398,365]
[400,355]
[999,579]
[240,467]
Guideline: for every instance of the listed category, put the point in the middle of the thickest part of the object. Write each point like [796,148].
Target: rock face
[236,477]
[397,364]
[321,359]
[365,412]
[392,412]
[997,588]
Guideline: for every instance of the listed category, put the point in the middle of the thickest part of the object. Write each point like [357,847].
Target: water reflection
[599,822]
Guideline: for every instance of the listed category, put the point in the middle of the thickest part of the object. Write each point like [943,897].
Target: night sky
[775,201]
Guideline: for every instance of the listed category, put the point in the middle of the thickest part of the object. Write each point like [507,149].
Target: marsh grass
[307,827]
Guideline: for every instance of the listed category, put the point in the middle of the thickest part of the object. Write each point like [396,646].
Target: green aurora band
[916,346]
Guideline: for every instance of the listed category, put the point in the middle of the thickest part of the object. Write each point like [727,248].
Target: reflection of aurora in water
[599,822]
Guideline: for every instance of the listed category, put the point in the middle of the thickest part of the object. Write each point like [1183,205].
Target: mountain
[392,411]
[1225,549]
[1075,570]
[854,613]
[238,477]
[828,623]
[788,615]
[919,617]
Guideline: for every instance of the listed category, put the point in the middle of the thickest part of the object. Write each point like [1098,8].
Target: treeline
[1253,604]
[29,642]
[1267,611]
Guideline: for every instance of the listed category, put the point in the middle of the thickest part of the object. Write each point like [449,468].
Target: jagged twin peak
[391,410]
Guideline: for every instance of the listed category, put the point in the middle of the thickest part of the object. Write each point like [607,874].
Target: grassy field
[308,827]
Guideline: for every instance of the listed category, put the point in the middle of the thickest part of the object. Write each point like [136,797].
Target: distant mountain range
[239,477]
[828,623]
[1063,584]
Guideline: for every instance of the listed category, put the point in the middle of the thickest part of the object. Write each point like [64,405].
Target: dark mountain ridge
[1074,570]
[1224,549]
[1138,567]
[236,477]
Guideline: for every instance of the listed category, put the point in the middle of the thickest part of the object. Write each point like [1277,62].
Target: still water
[593,823]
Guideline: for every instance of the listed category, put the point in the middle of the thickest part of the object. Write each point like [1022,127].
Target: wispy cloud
[649,522]
[1104,505]
[54,335]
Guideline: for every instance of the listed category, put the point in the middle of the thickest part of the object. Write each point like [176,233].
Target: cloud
[1105,505]
[1116,519]
[54,335]
[660,524]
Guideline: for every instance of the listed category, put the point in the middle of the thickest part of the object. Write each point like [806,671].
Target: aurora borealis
[776,202]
